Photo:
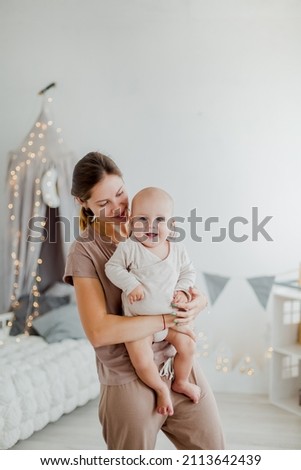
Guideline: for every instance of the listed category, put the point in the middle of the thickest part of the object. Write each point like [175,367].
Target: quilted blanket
[39,382]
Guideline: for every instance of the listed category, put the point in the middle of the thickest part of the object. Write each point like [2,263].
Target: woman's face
[109,199]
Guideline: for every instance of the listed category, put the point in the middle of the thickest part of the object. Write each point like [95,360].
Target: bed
[42,377]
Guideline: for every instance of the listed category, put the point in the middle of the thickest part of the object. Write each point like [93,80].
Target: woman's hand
[187,311]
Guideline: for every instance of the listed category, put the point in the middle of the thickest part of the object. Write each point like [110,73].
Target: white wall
[201,97]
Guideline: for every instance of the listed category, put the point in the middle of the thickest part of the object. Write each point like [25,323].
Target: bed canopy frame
[41,213]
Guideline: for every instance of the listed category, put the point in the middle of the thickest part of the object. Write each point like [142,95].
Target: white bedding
[39,382]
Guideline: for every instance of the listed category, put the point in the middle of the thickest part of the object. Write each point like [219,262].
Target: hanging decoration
[221,357]
[215,285]
[49,188]
[262,287]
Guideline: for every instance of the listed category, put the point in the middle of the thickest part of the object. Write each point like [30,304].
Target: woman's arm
[103,328]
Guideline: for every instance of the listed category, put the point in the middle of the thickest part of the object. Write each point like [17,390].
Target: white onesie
[132,264]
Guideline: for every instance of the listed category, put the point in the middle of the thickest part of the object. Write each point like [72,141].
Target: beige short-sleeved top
[86,258]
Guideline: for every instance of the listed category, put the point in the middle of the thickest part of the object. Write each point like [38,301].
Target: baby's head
[151,216]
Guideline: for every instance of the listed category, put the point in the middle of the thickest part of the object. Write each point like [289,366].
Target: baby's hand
[136,294]
[179,297]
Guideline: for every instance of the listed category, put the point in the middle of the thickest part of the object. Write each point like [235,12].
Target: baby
[154,273]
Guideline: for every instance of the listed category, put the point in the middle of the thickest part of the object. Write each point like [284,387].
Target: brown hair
[89,171]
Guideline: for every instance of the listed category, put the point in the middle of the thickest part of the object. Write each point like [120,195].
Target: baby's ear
[131,223]
[171,223]
[130,219]
[171,226]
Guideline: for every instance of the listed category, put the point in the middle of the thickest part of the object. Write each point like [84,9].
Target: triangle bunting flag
[262,287]
[215,285]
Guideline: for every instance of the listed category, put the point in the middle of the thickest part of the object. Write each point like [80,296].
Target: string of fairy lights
[223,359]
[34,148]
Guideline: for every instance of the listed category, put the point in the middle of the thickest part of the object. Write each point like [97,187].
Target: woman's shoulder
[80,259]
[79,243]
[90,244]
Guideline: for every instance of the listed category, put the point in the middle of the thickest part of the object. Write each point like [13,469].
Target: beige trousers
[130,422]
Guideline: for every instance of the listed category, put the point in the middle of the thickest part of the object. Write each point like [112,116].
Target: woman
[127,406]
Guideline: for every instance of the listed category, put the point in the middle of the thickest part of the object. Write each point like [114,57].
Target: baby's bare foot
[164,403]
[186,388]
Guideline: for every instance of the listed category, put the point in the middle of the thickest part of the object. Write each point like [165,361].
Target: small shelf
[285,378]
[290,350]
[287,293]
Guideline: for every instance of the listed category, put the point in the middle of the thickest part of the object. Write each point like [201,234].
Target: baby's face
[151,220]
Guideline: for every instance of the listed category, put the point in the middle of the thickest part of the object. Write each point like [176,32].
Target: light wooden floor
[249,422]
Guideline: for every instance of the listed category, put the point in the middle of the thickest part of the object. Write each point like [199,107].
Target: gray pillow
[59,324]
[46,302]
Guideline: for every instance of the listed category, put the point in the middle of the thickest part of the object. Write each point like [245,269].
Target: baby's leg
[141,355]
[185,347]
